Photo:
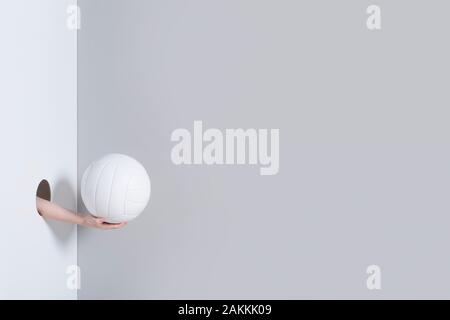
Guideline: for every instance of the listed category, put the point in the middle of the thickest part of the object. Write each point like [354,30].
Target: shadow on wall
[63,195]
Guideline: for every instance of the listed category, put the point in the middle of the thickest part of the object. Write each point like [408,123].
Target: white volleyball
[116,188]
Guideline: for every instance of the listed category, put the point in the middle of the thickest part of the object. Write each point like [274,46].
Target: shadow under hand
[65,196]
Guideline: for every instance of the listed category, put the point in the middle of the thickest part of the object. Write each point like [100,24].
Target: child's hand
[52,211]
[100,223]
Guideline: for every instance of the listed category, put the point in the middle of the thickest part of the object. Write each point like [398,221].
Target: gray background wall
[364,160]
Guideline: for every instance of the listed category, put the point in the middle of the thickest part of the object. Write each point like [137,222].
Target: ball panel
[139,182]
[90,188]
[103,190]
[119,192]
[133,209]
[138,195]
[140,188]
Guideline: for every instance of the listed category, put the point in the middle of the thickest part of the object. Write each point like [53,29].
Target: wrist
[81,220]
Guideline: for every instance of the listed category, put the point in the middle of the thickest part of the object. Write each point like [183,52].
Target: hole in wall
[43,191]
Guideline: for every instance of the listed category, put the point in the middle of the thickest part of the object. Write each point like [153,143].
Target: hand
[100,223]
[52,211]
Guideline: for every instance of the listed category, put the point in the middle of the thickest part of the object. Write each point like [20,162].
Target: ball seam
[96,186]
[110,191]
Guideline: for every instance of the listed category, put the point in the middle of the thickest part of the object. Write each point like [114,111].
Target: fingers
[101,223]
[110,226]
[99,220]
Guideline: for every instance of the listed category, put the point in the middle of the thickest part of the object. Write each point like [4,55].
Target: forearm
[49,210]
[52,211]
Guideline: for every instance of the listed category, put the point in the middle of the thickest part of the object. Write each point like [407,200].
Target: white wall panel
[38,141]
